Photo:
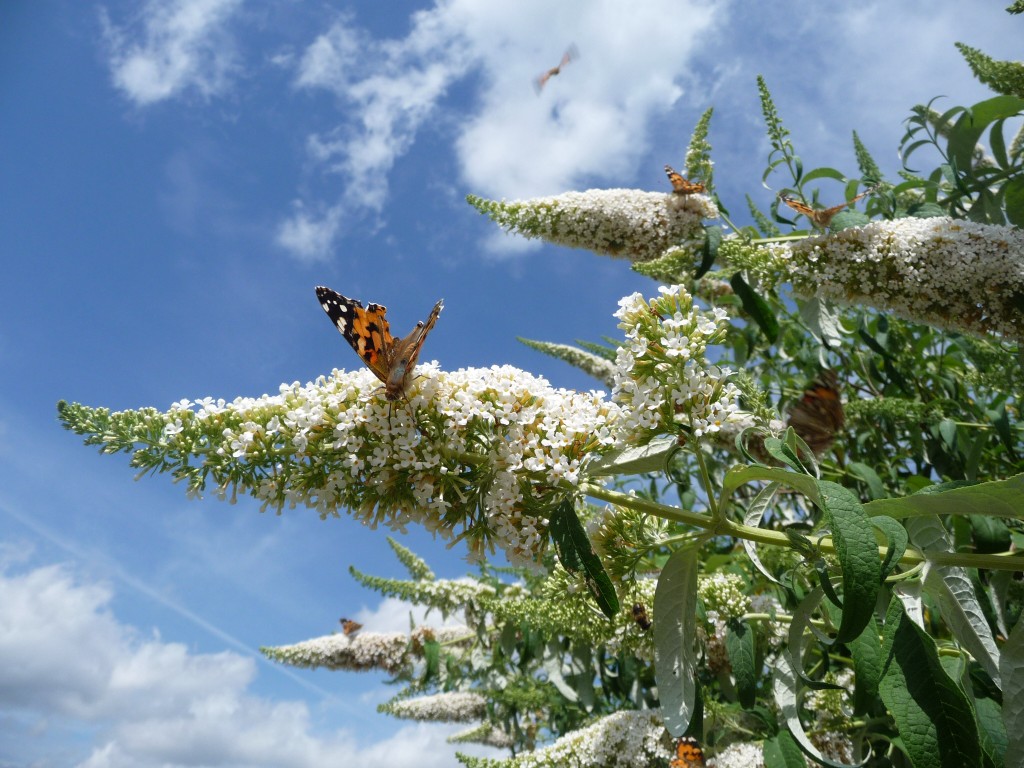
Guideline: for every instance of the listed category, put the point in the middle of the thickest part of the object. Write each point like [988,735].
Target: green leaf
[990,534]
[952,589]
[848,219]
[931,712]
[992,731]
[552,665]
[577,555]
[998,498]
[966,132]
[928,210]
[761,503]
[652,457]
[709,251]
[876,489]
[822,321]
[675,658]
[758,309]
[896,538]
[858,557]
[1011,668]
[782,751]
[739,644]
[866,650]
[788,700]
[432,659]
[1013,199]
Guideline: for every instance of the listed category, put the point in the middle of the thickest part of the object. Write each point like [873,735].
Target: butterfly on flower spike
[821,218]
[366,329]
[681,186]
[350,627]
[818,416]
[640,617]
[571,53]
[688,754]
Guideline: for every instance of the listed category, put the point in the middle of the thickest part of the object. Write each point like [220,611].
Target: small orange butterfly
[367,330]
[822,217]
[818,416]
[681,186]
[688,754]
[570,54]
[640,616]
[350,627]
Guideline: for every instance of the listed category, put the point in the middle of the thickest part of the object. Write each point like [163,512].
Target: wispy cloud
[71,667]
[589,123]
[172,47]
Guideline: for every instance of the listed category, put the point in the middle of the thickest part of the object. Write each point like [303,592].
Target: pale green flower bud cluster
[447,707]
[949,273]
[664,381]
[724,594]
[630,223]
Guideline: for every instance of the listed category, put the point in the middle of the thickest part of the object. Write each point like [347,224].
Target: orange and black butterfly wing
[366,329]
[822,217]
[350,627]
[818,416]
[688,754]
[404,353]
[681,185]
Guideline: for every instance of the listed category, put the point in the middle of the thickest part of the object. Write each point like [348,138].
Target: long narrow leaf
[675,629]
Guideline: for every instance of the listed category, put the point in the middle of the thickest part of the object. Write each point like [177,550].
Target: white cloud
[393,615]
[71,668]
[310,236]
[589,123]
[172,46]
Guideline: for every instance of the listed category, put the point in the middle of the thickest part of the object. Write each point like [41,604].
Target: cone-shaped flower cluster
[949,273]
[664,382]
[475,454]
[617,222]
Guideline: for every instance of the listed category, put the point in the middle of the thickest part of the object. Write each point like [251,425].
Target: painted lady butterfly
[350,627]
[640,616]
[681,186]
[819,414]
[571,53]
[688,754]
[821,218]
[367,330]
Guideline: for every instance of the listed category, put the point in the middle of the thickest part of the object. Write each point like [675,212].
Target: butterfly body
[366,329]
[818,415]
[570,54]
[350,627]
[640,616]
[680,185]
[821,218]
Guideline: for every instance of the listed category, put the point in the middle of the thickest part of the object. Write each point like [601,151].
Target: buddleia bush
[790,528]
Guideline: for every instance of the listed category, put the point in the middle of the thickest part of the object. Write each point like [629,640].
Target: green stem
[1007,561]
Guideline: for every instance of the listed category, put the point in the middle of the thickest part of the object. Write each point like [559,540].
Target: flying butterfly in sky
[818,415]
[570,54]
[366,329]
[821,218]
[681,186]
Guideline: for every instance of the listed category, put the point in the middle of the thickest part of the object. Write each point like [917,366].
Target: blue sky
[176,177]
